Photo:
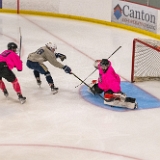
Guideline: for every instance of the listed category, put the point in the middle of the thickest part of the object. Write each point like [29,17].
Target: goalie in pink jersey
[9,60]
[109,83]
[108,80]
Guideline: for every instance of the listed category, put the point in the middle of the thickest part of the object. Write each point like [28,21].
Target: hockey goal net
[145,60]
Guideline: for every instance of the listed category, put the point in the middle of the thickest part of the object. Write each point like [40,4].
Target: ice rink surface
[65,126]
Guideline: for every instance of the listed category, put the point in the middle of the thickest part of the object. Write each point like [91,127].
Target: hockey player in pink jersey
[108,80]
[9,60]
[109,83]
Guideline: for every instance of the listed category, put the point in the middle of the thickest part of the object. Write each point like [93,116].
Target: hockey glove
[67,69]
[96,63]
[61,56]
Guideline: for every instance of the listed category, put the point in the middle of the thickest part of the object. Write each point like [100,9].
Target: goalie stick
[96,68]
[20,41]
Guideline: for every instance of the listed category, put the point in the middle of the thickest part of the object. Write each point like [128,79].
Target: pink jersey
[109,80]
[12,59]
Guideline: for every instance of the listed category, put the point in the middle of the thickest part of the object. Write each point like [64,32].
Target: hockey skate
[54,89]
[5,92]
[39,82]
[21,98]
[120,100]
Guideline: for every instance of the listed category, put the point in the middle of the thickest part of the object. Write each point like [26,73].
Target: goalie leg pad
[124,102]
[121,104]
[114,96]
[119,96]
[109,97]
[130,99]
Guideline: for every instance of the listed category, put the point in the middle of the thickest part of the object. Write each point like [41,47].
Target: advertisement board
[134,15]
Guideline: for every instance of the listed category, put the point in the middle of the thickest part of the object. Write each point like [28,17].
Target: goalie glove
[96,63]
[61,56]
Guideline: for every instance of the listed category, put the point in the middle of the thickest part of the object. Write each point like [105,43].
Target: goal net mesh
[145,60]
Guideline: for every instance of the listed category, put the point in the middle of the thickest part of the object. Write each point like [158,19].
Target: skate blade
[54,92]
[6,95]
[22,101]
[39,85]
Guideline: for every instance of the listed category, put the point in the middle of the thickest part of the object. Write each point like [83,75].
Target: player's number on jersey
[5,53]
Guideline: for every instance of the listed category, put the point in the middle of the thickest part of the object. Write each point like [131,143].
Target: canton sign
[134,15]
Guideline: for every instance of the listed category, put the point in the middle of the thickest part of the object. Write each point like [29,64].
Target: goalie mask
[104,64]
[51,46]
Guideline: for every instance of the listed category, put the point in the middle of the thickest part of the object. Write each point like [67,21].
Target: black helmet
[104,62]
[11,46]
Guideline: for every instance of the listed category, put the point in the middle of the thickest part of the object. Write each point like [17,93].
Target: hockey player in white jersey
[109,83]
[35,61]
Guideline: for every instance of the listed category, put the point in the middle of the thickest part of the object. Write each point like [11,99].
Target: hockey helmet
[51,46]
[104,62]
[12,46]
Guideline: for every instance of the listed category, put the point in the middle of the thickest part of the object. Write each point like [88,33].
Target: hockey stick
[89,86]
[20,41]
[86,78]
[96,68]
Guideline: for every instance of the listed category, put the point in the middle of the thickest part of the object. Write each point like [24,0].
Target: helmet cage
[51,46]
[104,64]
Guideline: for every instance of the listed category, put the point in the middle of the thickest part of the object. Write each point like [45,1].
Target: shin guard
[2,85]
[16,86]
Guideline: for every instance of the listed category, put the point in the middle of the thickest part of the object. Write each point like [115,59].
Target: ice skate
[39,82]
[5,92]
[21,98]
[54,89]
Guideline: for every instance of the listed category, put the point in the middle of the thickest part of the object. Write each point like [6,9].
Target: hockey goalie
[109,83]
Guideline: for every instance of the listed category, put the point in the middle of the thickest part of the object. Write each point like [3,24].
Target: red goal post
[145,60]
[18,6]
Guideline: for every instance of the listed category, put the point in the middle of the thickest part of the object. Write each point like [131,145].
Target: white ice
[65,126]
